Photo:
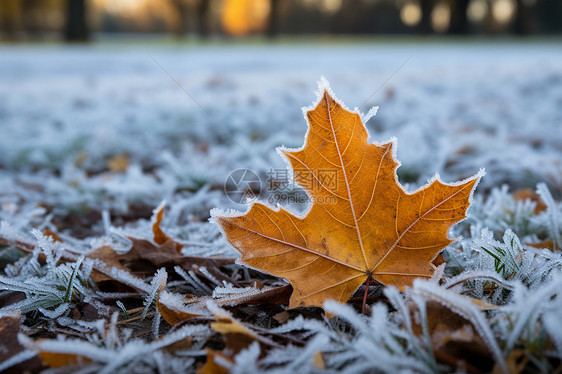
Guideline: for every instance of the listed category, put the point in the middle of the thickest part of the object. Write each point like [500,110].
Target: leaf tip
[323,90]
[370,114]
[215,215]
[323,85]
[481,173]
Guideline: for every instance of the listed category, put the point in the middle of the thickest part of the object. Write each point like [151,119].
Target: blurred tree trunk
[272,27]
[182,12]
[30,15]
[549,12]
[76,28]
[203,17]
[459,17]
[425,26]
[9,18]
[490,23]
[523,23]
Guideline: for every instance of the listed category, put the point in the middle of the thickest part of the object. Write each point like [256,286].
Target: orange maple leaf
[361,222]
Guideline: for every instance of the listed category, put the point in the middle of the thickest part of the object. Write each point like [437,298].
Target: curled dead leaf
[175,309]
[159,236]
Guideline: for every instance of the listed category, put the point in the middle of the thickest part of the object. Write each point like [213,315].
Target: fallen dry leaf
[547,244]
[237,337]
[453,338]
[210,366]
[109,257]
[319,362]
[516,360]
[528,194]
[10,325]
[175,310]
[58,360]
[118,164]
[281,317]
[145,257]
[361,221]
[53,235]
[159,236]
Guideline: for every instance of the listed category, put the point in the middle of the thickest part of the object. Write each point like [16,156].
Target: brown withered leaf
[319,362]
[175,310]
[166,252]
[53,235]
[159,236]
[210,366]
[118,163]
[548,244]
[361,222]
[453,338]
[145,257]
[516,360]
[10,325]
[109,257]
[58,360]
[237,337]
[528,194]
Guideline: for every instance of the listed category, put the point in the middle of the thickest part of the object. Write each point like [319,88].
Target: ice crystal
[110,353]
[51,288]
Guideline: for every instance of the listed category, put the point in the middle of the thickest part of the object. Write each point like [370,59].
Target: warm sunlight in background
[276,17]
[503,10]
[477,10]
[441,17]
[241,17]
[118,6]
[411,13]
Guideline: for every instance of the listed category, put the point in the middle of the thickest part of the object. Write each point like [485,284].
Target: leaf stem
[364,306]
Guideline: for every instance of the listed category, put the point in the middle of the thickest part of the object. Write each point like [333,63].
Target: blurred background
[83,20]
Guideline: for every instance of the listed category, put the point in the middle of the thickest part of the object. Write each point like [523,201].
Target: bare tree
[425,26]
[459,17]
[203,17]
[9,18]
[76,28]
[524,22]
[272,27]
[182,11]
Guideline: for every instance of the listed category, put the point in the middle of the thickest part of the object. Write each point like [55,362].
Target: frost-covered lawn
[94,138]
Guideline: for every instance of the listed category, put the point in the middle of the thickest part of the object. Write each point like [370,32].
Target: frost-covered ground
[454,109]
[104,131]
